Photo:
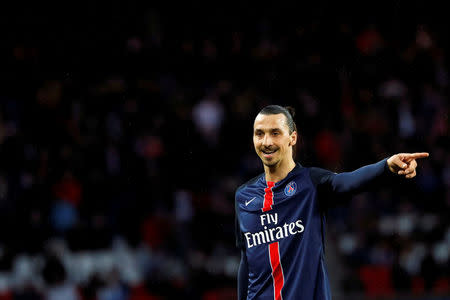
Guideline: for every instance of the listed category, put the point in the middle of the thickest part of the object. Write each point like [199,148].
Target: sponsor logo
[275,233]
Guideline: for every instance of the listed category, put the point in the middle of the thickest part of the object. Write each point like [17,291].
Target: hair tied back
[291,110]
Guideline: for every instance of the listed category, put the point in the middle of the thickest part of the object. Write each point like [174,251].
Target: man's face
[272,140]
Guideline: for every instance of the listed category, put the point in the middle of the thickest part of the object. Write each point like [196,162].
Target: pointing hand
[405,163]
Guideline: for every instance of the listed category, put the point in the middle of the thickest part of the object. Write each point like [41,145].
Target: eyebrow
[268,129]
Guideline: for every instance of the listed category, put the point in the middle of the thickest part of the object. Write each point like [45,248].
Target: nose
[267,140]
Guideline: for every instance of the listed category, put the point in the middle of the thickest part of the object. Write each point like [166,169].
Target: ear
[293,138]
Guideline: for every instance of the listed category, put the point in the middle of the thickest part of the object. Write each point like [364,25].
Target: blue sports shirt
[280,230]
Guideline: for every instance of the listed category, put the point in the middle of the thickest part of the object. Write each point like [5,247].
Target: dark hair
[288,112]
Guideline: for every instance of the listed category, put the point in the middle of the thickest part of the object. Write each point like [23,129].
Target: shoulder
[319,175]
[248,190]
[249,184]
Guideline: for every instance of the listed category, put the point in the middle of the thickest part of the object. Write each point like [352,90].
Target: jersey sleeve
[242,276]
[348,183]
[239,235]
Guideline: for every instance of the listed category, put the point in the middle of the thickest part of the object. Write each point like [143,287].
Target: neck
[279,171]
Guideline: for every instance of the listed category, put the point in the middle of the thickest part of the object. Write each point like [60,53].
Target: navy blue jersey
[279,228]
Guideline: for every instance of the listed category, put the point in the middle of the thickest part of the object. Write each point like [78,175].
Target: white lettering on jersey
[269,219]
[267,235]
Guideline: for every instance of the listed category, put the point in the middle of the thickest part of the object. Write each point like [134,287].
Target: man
[279,214]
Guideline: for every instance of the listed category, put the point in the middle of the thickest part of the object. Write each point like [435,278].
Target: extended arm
[351,182]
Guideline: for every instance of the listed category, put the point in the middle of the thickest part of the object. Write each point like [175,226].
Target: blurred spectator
[55,277]
[208,117]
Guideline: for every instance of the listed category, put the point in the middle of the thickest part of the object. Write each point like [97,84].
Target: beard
[270,164]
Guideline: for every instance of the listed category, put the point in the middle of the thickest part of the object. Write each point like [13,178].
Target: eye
[275,133]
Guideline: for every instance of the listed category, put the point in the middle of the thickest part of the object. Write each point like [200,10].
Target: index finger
[417,155]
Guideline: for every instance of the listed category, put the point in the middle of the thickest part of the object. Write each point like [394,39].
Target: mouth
[268,153]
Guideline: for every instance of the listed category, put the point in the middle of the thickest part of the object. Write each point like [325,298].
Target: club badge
[290,188]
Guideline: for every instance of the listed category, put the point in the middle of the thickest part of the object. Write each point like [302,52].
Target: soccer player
[279,214]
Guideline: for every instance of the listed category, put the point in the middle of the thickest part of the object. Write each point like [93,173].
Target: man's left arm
[402,164]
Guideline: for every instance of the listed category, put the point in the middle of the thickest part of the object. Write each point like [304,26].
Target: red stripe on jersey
[277,270]
[268,196]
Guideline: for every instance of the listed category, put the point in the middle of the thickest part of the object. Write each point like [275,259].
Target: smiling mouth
[269,152]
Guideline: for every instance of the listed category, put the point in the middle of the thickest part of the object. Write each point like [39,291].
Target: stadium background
[125,128]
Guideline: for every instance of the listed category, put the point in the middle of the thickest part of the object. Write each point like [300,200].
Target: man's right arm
[242,280]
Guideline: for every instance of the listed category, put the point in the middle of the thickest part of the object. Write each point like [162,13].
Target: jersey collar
[292,173]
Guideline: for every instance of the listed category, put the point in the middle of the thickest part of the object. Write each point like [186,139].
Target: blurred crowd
[124,137]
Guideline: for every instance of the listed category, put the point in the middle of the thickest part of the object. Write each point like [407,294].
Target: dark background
[125,128]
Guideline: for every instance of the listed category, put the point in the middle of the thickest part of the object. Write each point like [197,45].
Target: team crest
[290,188]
